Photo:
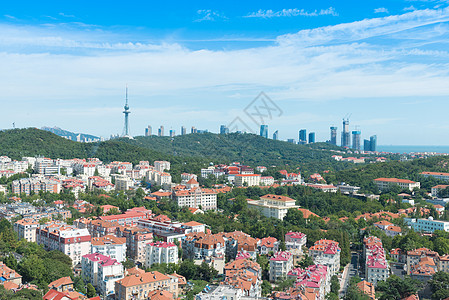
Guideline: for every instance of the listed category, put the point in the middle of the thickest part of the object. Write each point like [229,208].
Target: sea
[410,148]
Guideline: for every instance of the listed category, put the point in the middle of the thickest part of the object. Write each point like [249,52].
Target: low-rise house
[9,275]
[367,288]
[139,286]
[267,245]
[424,269]
[62,284]
[295,241]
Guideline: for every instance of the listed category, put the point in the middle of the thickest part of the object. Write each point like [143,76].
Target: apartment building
[26,229]
[427,225]
[280,264]
[315,278]
[69,240]
[376,266]
[161,252]
[102,272]
[247,180]
[384,184]
[111,246]
[295,240]
[326,253]
[138,286]
[436,175]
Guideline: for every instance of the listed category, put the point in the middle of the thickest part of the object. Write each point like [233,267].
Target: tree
[306,261]
[439,285]
[91,291]
[188,269]
[396,288]
[128,264]
[335,285]
[266,288]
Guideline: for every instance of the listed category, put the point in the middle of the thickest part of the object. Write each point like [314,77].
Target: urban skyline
[315,66]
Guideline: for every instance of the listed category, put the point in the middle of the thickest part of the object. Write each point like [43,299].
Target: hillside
[188,153]
[71,135]
[245,148]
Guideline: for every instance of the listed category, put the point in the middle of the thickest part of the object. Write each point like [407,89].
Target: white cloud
[209,15]
[409,8]
[10,17]
[63,69]
[381,10]
[291,12]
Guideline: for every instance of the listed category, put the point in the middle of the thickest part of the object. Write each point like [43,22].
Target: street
[351,270]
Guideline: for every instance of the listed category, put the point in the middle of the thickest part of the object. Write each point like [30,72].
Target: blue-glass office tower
[312,137]
[356,134]
[224,129]
[276,135]
[373,142]
[302,137]
[264,131]
[333,139]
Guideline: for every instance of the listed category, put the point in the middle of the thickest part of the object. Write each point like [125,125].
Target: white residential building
[326,253]
[26,229]
[280,264]
[69,240]
[110,246]
[295,240]
[102,271]
[437,175]
[273,206]
[161,252]
[247,180]
[266,180]
[384,184]
[123,182]
[161,166]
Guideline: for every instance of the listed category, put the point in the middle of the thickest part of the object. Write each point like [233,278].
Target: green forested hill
[363,176]
[245,148]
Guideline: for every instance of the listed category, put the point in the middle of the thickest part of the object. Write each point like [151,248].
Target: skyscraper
[373,142]
[312,137]
[183,130]
[193,130]
[160,131]
[264,131]
[148,131]
[356,134]
[302,137]
[333,139]
[345,134]
[276,135]
[224,129]
[172,133]
[366,145]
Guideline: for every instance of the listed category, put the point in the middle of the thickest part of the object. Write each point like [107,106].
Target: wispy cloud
[10,17]
[381,10]
[209,15]
[291,12]
[409,8]
[66,15]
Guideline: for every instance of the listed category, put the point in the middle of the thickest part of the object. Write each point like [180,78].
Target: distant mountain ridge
[71,135]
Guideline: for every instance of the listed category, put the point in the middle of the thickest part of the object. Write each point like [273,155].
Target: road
[350,271]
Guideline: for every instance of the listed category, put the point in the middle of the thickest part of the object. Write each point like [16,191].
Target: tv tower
[126,112]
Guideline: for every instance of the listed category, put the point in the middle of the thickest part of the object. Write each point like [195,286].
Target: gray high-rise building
[160,131]
[148,131]
[333,139]
[183,130]
[264,131]
[302,137]
[312,137]
[276,135]
[224,129]
[345,134]
[356,135]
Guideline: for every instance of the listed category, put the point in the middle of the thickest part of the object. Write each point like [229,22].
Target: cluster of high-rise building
[172,132]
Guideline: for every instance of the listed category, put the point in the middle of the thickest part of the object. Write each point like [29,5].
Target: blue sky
[200,63]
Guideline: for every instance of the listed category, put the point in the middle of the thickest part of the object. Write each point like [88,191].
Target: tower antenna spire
[126,112]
